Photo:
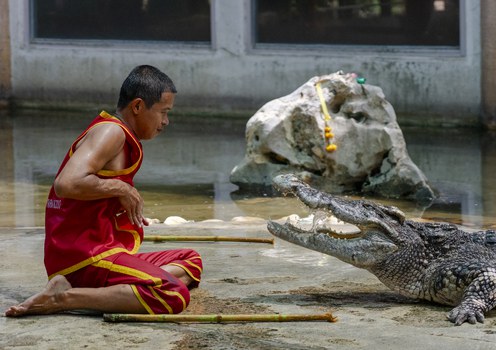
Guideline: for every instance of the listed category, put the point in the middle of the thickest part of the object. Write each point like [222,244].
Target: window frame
[117,42]
[345,50]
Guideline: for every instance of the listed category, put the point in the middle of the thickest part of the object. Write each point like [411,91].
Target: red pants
[157,290]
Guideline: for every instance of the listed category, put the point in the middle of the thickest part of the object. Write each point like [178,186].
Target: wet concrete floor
[241,278]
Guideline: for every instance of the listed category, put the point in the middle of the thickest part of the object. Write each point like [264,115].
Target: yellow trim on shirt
[136,236]
[88,261]
[127,271]
[98,257]
[108,173]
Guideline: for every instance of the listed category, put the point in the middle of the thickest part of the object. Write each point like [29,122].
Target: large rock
[287,136]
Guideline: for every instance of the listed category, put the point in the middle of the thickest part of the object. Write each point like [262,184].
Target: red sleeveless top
[81,232]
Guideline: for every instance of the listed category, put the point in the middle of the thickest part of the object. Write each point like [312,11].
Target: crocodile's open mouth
[355,231]
[322,222]
[352,218]
[326,234]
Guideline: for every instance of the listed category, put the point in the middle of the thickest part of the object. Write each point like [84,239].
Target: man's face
[151,121]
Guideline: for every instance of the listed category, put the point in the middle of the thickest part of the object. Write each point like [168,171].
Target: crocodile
[433,261]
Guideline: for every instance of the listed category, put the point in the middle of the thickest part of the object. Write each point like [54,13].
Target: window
[358,22]
[144,20]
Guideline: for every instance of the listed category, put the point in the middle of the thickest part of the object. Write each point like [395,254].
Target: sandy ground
[240,278]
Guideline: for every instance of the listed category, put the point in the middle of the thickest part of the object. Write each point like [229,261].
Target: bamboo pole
[217,318]
[158,238]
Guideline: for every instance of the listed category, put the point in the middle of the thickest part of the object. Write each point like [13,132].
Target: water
[186,170]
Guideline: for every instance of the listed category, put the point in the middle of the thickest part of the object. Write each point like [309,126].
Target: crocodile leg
[479,298]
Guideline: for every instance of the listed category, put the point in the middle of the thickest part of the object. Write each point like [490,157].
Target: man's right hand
[133,204]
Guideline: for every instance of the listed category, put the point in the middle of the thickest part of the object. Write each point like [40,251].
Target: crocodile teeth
[322,222]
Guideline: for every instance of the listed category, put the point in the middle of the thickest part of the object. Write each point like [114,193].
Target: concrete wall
[431,85]
[488,23]
[5,68]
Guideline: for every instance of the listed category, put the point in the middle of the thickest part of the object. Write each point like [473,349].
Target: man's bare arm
[100,149]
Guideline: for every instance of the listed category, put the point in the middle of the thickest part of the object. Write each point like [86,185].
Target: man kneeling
[94,216]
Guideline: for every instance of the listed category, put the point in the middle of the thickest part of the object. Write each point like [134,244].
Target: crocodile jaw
[363,250]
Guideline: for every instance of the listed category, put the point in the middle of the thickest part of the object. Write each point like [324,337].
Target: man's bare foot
[48,301]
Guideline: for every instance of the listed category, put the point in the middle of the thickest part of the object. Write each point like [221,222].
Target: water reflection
[460,164]
[186,171]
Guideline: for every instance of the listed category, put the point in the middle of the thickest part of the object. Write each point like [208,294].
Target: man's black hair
[147,83]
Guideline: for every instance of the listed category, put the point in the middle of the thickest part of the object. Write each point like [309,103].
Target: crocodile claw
[466,312]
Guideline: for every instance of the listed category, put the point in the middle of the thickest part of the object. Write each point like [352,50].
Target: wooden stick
[158,238]
[217,318]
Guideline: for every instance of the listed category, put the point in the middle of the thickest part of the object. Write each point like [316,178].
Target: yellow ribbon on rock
[328,135]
